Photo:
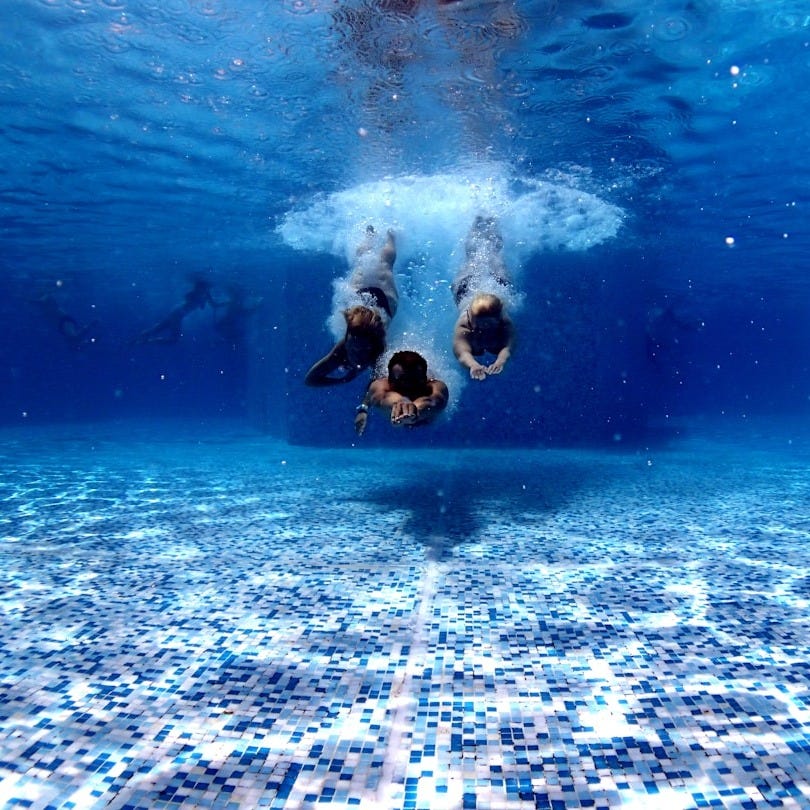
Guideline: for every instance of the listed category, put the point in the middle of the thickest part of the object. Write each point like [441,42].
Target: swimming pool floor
[243,624]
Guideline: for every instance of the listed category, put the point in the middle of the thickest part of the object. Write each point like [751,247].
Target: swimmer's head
[407,368]
[365,336]
[486,304]
[200,294]
[486,310]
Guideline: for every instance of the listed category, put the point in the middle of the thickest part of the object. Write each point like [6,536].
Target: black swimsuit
[379,298]
[462,289]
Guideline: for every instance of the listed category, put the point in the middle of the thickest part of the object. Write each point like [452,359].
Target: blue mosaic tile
[254,625]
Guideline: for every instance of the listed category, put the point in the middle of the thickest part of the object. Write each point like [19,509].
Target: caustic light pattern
[253,625]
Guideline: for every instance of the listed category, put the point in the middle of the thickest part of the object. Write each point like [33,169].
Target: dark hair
[410,362]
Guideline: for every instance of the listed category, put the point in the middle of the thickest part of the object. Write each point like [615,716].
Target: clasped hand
[479,372]
[404,412]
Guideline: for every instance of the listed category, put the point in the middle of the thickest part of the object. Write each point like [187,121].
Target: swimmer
[75,334]
[409,396]
[483,327]
[375,292]
[169,330]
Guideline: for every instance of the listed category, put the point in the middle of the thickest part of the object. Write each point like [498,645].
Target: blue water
[144,142]
[585,585]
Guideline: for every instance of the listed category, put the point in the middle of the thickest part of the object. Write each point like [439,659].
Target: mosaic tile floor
[242,624]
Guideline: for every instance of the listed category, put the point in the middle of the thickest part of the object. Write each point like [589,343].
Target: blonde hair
[486,304]
[366,323]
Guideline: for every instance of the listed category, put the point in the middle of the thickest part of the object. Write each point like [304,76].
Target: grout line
[403,703]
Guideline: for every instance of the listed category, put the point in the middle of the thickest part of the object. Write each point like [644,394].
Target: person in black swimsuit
[483,327]
[375,292]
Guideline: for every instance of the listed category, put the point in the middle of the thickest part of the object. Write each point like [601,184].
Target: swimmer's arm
[506,352]
[319,374]
[461,349]
[401,410]
[460,341]
[429,407]
[361,414]
[461,346]
[381,395]
[463,352]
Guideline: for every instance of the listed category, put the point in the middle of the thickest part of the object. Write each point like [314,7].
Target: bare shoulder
[463,321]
[462,331]
[378,388]
[438,388]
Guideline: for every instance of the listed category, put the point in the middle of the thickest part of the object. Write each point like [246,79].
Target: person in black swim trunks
[407,393]
[483,327]
[375,291]
[75,334]
[169,330]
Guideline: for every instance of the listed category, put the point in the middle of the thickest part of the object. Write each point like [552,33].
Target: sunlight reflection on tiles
[640,640]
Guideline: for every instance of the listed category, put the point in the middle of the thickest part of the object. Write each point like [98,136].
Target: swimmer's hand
[479,372]
[404,413]
[360,422]
[500,361]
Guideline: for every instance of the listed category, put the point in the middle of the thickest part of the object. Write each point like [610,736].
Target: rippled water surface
[144,141]
[125,118]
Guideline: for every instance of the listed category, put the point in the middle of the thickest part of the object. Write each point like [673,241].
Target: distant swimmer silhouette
[75,334]
[409,396]
[169,330]
[375,296]
[231,320]
[483,327]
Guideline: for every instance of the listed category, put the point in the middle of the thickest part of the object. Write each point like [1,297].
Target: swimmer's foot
[366,245]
